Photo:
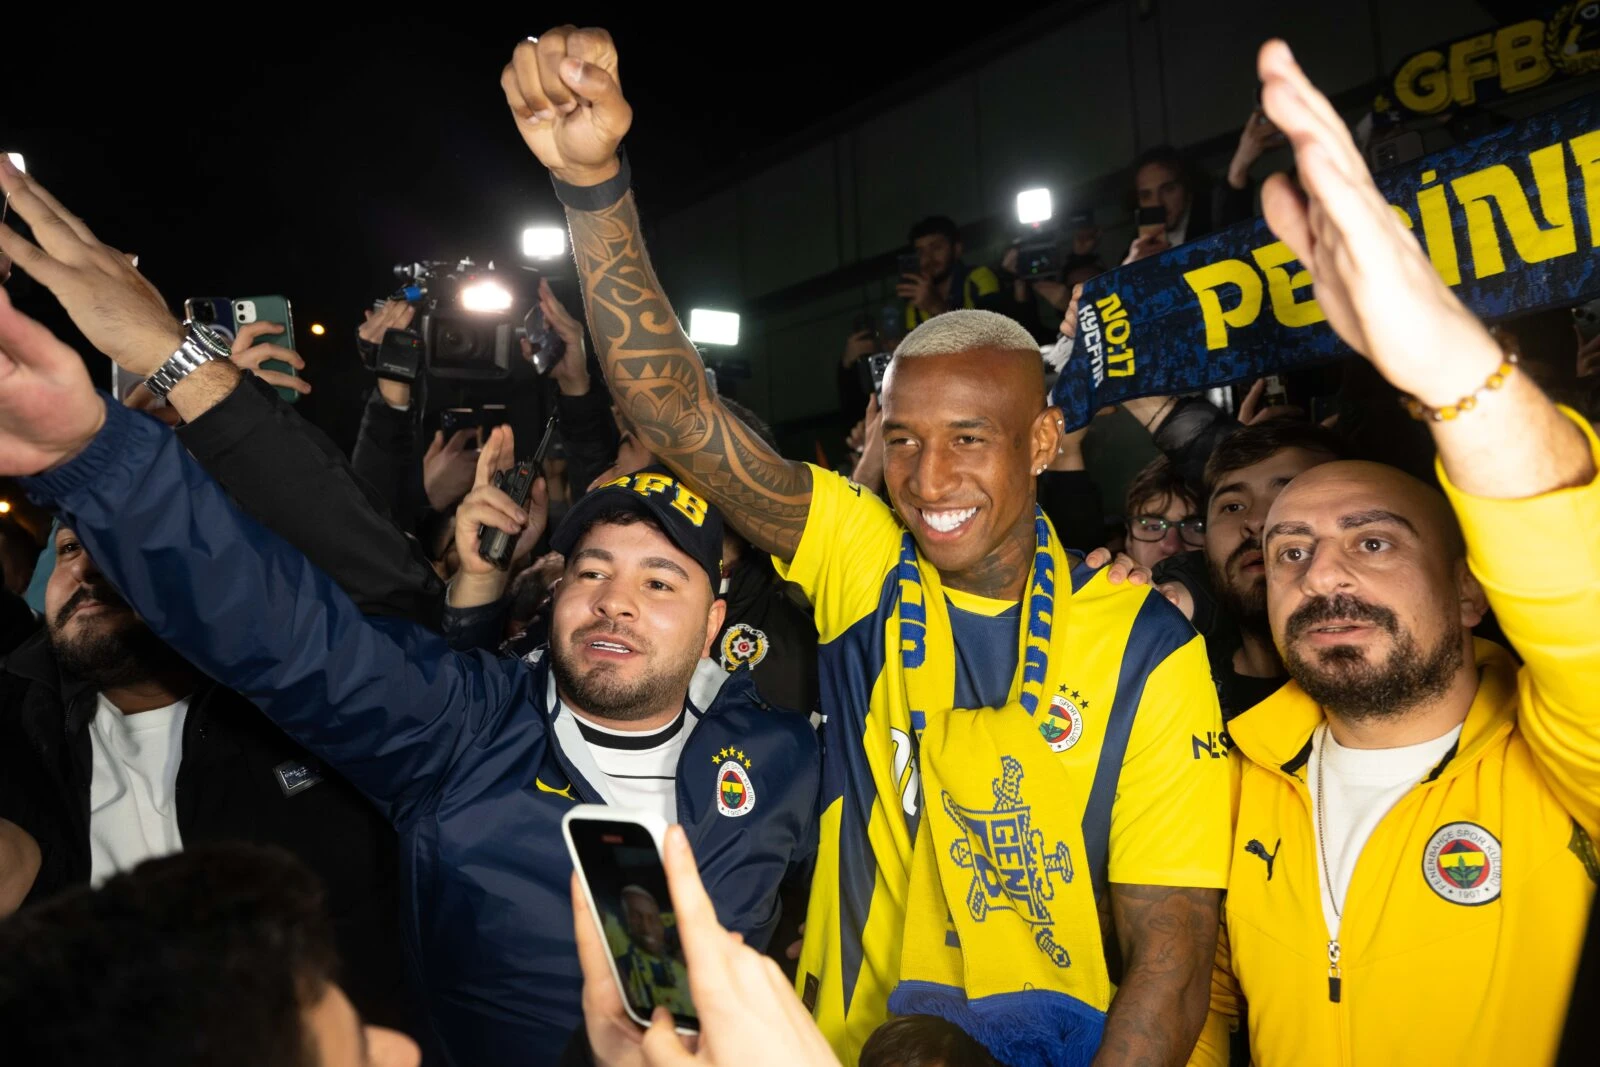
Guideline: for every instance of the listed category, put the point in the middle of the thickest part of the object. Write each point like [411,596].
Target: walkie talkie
[495,545]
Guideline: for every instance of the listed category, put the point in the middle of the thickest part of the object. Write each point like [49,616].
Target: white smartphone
[617,854]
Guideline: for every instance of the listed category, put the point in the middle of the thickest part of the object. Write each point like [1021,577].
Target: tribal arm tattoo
[659,384]
[1168,941]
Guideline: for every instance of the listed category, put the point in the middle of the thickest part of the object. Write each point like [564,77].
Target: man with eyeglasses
[1163,517]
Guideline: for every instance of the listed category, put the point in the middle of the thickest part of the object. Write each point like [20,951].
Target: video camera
[467,319]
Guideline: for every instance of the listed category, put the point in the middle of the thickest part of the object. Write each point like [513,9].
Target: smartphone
[908,263]
[617,854]
[270,309]
[872,369]
[215,312]
[1151,221]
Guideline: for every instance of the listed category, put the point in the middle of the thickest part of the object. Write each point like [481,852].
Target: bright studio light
[5,507]
[713,327]
[1033,206]
[485,294]
[318,329]
[17,161]
[544,242]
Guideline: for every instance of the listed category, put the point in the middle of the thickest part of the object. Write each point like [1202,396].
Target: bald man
[1414,855]
[1090,720]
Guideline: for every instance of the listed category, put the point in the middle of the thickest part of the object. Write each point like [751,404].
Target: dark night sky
[305,158]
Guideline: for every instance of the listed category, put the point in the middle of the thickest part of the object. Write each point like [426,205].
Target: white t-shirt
[1362,785]
[641,768]
[133,809]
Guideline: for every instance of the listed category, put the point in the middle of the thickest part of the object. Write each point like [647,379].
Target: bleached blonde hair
[963,331]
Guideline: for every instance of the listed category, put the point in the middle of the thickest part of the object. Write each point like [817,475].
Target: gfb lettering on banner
[1511,221]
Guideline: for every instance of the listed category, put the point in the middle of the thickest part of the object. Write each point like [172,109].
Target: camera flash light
[5,507]
[713,327]
[544,242]
[1033,206]
[485,295]
[318,329]
[17,161]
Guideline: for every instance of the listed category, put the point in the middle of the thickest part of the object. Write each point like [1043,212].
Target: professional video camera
[466,319]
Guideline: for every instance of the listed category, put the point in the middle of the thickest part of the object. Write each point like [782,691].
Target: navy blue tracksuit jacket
[464,753]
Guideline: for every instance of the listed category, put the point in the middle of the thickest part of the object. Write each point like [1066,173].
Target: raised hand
[49,411]
[248,354]
[448,468]
[1381,295]
[572,372]
[479,581]
[1258,135]
[394,315]
[1251,410]
[566,95]
[119,312]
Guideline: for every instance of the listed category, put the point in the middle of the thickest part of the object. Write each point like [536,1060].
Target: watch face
[210,339]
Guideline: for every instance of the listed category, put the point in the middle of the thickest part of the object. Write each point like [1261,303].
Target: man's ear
[714,620]
[1045,439]
[1474,601]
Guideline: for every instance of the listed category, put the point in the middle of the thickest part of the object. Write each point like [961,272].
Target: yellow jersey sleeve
[1171,822]
[1539,562]
[850,544]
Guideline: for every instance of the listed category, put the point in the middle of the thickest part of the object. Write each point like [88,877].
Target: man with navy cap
[474,759]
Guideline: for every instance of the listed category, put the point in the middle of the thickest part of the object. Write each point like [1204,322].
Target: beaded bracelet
[1423,413]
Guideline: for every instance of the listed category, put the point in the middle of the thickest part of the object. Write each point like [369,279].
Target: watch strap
[194,352]
[597,197]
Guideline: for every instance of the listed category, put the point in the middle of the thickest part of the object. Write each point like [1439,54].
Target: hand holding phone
[744,1005]
[632,920]
[1152,220]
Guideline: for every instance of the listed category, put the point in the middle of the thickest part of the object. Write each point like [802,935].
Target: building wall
[1068,108]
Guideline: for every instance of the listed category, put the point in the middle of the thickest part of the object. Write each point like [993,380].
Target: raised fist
[566,95]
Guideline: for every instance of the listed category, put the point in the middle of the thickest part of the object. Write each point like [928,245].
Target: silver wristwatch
[200,346]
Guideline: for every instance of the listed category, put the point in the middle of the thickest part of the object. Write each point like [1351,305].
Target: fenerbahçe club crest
[1063,721]
[1462,864]
[736,795]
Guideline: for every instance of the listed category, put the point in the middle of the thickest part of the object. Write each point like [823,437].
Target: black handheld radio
[495,545]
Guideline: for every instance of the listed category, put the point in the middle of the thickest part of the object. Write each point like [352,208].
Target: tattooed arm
[565,92]
[1168,940]
[658,381]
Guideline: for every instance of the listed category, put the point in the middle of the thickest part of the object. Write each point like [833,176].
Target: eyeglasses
[1154,528]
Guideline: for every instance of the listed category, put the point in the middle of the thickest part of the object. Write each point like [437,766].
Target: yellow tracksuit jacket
[1466,911]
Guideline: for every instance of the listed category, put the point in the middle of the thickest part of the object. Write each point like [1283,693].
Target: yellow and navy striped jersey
[1137,694]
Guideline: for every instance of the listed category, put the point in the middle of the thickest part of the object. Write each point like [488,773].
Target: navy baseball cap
[686,517]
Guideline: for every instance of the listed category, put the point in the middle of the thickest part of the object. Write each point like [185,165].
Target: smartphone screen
[628,885]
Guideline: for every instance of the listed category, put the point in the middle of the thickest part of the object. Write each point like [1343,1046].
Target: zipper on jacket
[1335,979]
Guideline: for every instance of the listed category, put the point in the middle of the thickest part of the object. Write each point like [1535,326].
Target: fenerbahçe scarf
[1511,221]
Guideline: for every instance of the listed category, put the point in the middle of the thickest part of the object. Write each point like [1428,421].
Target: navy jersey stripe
[848,668]
[1158,631]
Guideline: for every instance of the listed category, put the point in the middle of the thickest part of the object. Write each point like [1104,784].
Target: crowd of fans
[284,756]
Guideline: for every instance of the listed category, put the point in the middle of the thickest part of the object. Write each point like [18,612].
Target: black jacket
[286,474]
[237,782]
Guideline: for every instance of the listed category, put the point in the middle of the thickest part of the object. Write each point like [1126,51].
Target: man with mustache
[114,750]
[1414,856]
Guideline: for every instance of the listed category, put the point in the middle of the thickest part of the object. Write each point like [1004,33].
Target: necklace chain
[1322,836]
